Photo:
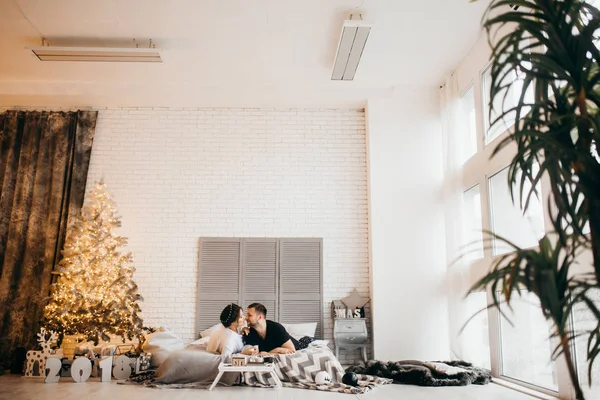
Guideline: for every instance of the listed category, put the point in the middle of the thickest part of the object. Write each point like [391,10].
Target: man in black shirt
[270,336]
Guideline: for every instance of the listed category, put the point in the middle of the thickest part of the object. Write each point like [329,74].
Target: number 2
[53,366]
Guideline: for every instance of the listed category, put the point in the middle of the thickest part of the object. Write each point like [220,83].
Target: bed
[194,367]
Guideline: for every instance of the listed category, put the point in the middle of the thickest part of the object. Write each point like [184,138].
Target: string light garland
[95,294]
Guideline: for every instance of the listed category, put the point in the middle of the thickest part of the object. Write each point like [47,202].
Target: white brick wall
[180,174]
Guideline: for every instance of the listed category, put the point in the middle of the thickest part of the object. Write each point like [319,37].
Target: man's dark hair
[259,308]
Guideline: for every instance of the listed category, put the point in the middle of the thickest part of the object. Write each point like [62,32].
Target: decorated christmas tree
[95,294]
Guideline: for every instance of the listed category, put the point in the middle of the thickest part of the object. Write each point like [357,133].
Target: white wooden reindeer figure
[39,357]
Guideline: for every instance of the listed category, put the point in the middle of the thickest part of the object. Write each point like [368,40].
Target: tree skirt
[421,373]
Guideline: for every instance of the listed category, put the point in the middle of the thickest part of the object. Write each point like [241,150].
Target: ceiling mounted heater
[96,54]
[355,33]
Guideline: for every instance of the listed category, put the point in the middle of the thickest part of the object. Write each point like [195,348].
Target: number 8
[122,368]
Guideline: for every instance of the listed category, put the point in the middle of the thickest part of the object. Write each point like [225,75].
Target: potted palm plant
[551,46]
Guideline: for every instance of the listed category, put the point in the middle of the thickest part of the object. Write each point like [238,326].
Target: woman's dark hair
[230,314]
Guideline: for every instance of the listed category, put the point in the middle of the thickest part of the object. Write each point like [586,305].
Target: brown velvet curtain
[44,159]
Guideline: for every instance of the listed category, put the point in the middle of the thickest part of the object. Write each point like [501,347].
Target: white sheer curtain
[454,132]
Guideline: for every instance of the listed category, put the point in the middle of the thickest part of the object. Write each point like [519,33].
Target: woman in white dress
[226,340]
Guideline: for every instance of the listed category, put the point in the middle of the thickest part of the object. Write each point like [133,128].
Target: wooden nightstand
[350,333]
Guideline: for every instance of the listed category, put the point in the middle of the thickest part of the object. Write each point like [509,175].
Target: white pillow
[207,332]
[298,331]
[202,341]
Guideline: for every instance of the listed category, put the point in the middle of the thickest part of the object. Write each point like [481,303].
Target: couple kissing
[260,336]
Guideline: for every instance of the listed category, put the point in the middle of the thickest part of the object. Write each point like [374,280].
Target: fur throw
[412,372]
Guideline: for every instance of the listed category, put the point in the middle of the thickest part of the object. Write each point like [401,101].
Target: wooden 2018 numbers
[81,369]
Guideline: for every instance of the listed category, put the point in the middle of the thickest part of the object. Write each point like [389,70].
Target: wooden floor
[16,387]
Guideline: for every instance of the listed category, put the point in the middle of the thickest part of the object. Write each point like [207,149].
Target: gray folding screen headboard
[284,274]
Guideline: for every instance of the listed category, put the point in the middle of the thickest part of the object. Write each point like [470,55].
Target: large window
[475,337]
[472,226]
[508,219]
[501,103]
[469,115]
[526,348]
[584,322]
[521,351]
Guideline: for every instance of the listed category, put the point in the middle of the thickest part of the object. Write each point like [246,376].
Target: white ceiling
[230,52]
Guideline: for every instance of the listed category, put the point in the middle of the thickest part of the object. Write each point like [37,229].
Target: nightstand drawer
[348,338]
[350,327]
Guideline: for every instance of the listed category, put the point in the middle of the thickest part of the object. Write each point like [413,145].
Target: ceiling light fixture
[355,33]
[96,54]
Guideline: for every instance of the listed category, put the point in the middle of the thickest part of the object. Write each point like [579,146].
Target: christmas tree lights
[95,294]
